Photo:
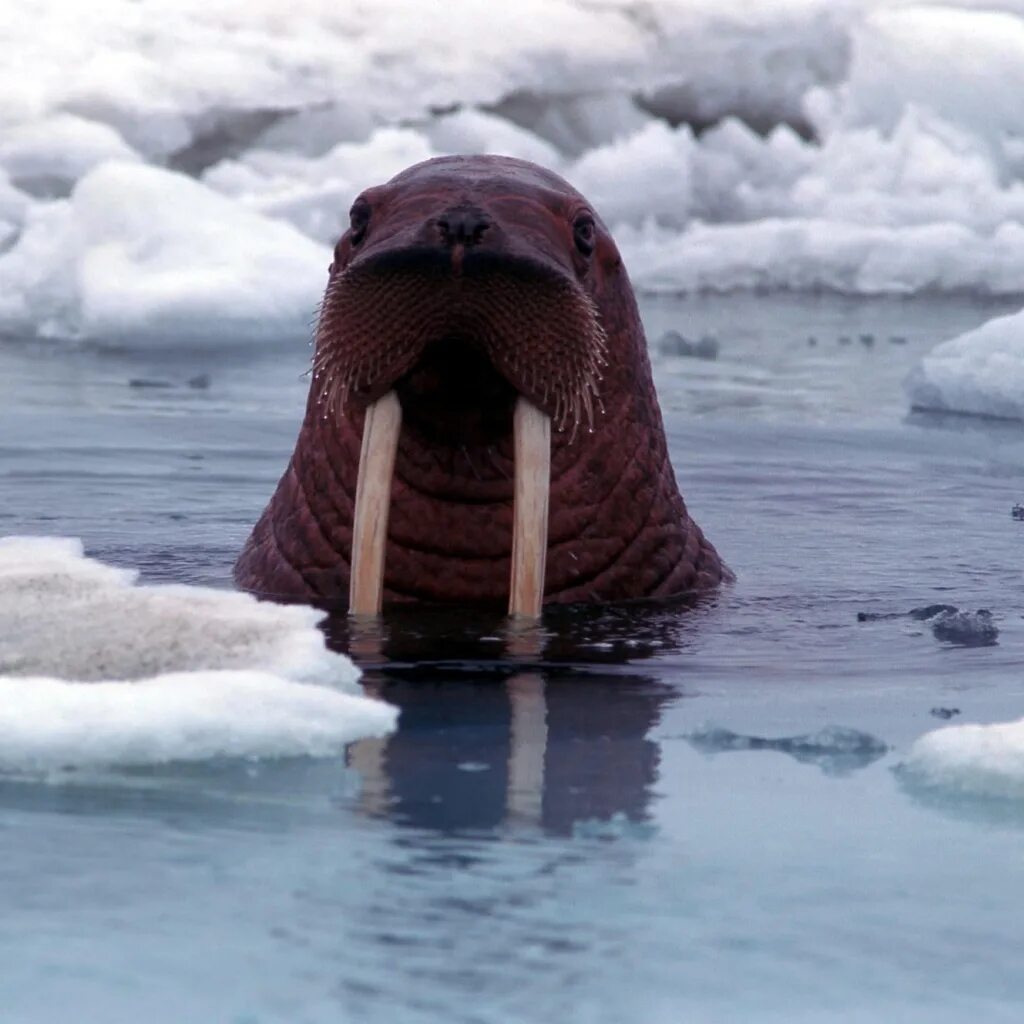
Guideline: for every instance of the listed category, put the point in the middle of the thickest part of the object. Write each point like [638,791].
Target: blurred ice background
[175,168]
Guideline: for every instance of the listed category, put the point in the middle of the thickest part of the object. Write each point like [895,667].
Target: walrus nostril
[464,225]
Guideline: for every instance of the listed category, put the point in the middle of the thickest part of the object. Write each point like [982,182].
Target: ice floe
[96,669]
[969,760]
[140,254]
[180,169]
[980,372]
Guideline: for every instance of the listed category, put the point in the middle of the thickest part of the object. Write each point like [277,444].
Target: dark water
[642,814]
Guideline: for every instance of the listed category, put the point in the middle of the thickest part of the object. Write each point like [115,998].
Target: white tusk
[532,430]
[373,502]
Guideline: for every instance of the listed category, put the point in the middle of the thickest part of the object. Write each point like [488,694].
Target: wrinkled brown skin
[618,526]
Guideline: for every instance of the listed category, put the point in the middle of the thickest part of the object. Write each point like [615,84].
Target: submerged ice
[96,669]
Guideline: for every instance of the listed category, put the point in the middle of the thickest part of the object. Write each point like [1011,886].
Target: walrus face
[463,302]
[472,309]
[482,425]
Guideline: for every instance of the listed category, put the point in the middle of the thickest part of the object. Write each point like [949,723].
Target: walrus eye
[584,234]
[359,220]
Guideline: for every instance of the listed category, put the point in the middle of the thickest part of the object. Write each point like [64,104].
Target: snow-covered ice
[180,170]
[980,372]
[970,760]
[95,669]
[141,254]
[48,724]
[862,146]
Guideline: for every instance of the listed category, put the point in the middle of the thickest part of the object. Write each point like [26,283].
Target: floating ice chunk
[907,176]
[313,131]
[649,174]
[948,623]
[143,255]
[95,669]
[315,194]
[577,123]
[965,65]
[48,157]
[473,131]
[754,61]
[923,170]
[740,175]
[973,760]
[966,629]
[619,826]
[49,724]
[65,615]
[672,343]
[797,253]
[14,206]
[980,372]
[834,749]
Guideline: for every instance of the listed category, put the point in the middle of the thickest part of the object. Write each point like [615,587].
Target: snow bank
[823,254]
[980,372]
[140,254]
[95,669]
[965,66]
[972,760]
[863,146]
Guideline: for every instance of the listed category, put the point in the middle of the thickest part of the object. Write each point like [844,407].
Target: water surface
[557,831]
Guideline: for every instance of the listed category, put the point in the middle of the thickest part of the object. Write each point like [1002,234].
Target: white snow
[971,760]
[50,155]
[980,372]
[49,724]
[96,669]
[180,169]
[141,254]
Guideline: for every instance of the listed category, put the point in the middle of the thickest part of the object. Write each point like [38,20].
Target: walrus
[482,426]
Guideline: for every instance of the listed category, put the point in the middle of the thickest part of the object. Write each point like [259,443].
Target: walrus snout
[462,225]
[537,327]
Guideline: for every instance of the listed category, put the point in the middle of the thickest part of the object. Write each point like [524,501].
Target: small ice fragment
[618,826]
[707,347]
[836,750]
[672,343]
[929,611]
[969,760]
[96,669]
[966,629]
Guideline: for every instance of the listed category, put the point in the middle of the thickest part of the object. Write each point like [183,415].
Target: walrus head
[481,415]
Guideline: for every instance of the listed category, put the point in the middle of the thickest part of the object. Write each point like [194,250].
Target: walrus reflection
[424,640]
[538,749]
